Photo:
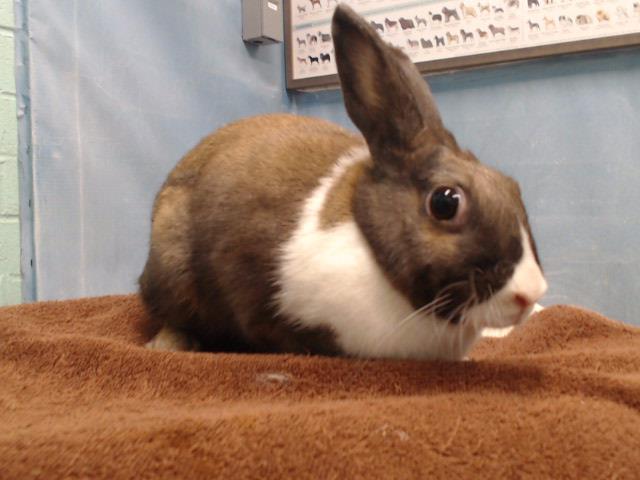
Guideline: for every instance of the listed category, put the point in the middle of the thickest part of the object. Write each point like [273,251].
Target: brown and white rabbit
[282,233]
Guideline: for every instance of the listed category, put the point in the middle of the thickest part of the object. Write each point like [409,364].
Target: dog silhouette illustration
[391,24]
[453,38]
[450,13]
[466,36]
[406,23]
[468,10]
[324,37]
[484,8]
[413,43]
[496,30]
[426,43]
[565,21]
[583,20]
[378,26]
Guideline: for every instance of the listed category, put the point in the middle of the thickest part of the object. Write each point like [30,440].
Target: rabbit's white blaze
[527,280]
[329,278]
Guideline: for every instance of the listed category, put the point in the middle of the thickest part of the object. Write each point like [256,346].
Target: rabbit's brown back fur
[203,260]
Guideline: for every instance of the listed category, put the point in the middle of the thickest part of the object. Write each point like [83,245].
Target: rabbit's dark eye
[446,203]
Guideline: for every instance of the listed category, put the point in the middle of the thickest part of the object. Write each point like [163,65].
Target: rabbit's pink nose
[522,300]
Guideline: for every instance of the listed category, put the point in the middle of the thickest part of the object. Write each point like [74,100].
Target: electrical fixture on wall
[262,21]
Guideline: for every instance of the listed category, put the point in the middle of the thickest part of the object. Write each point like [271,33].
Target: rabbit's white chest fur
[329,278]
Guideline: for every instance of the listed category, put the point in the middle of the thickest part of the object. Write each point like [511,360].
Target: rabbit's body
[296,269]
[203,260]
[282,233]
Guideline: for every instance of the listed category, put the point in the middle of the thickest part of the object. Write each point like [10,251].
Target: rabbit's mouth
[456,301]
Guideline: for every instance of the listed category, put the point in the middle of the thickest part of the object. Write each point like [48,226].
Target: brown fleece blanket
[80,397]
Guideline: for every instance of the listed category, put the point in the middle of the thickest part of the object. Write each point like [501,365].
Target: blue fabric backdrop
[120,90]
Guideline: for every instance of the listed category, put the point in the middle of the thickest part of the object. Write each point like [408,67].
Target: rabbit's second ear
[384,93]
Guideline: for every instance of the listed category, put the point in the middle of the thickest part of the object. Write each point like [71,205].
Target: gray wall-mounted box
[262,21]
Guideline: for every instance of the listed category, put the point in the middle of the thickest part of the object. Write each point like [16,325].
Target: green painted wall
[9,212]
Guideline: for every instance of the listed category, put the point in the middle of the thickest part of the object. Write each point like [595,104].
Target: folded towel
[80,397]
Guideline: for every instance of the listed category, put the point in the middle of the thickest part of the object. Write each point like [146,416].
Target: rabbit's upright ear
[385,95]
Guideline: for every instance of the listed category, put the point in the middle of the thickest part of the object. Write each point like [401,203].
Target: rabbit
[282,233]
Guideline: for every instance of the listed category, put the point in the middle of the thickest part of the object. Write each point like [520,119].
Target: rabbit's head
[450,233]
